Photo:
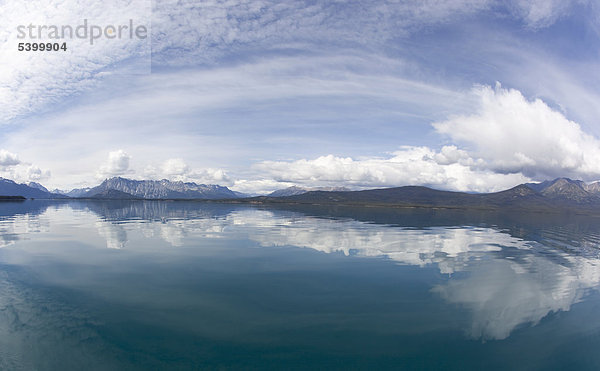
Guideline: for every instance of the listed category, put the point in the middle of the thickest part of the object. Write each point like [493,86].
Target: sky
[464,95]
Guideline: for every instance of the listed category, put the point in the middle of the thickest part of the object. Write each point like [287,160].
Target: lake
[128,285]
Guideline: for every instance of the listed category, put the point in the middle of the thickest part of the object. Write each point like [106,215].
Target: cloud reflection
[508,282]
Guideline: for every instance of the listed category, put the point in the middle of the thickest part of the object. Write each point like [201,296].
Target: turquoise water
[187,285]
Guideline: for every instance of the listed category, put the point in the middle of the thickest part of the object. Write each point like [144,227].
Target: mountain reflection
[515,273]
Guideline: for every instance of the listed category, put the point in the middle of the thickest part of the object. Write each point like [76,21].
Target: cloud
[306,76]
[542,13]
[13,168]
[34,173]
[8,159]
[178,169]
[116,164]
[185,34]
[215,29]
[450,169]
[259,186]
[515,135]
[175,167]
[24,173]
[31,81]
[210,176]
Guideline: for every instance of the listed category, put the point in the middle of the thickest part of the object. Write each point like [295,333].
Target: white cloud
[209,111]
[30,81]
[13,168]
[515,135]
[178,169]
[186,34]
[116,164]
[209,31]
[33,173]
[175,167]
[24,173]
[349,83]
[210,176]
[450,169]
[8,159]
[259,186]
[542,13]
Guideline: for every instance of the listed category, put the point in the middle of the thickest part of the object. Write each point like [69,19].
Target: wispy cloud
[305,92]
[30,81]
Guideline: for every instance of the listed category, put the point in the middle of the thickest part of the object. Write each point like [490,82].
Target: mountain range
[122,188]
[31,190]
[559,193]
[295,190]
[161,189]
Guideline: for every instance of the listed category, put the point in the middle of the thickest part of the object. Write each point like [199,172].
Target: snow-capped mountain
[37,186]
[157,189]
[75,192]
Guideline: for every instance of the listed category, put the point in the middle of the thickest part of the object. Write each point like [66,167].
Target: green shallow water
[187,285]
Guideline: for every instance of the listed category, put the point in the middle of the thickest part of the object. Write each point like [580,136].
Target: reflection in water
[115,234]
[503,294]
[512,275]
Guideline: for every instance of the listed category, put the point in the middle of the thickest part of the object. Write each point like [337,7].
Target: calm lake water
[186,285]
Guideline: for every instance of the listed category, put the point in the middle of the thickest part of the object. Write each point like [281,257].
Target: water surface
[186,285]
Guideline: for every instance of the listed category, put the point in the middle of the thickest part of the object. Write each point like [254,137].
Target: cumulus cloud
[515,135]
[178,169]
[33,173]
[8,159]
[13,168]
[24,173]
[449,168]
[175,167]
[210,176]
[116,164]
[259,186]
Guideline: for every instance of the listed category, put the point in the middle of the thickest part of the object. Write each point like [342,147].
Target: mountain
[560,194]
[76,192]
[294,190]
[593,188]
[37,186]
[11,188]
[568,190]
[113,194]
[162,189]
[423,196]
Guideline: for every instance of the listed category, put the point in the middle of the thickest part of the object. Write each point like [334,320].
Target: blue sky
[469,95]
